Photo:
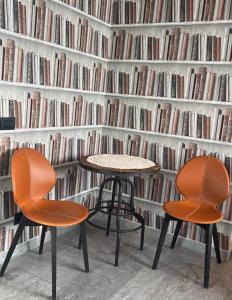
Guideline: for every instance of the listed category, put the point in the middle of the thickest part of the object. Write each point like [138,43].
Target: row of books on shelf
[170,158]
[40,22]
[196,83]
[100,9]
[74,181]
[172,45]
[155,220]
[58,150]
[19,66]
[155,11]
[37,111]
[61,149]
[164,118]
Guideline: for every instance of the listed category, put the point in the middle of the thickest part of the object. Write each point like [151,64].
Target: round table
[117,168]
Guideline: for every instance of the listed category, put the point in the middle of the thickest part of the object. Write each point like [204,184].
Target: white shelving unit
[48,48]
[172,24]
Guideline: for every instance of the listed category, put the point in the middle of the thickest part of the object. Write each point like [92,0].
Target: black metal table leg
[90,215]
[141,220]
[43,233]
[142,234]
[118,222]
[175,236]
[13,245]
[111,207]
[97,205]
[132,206]
[84,245]
[53,252]
[161,240]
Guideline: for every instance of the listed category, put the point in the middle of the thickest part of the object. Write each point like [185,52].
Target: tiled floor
[179,274]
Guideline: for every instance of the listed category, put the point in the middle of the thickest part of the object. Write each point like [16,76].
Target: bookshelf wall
[85,77]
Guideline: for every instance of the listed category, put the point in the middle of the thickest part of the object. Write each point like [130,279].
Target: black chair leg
[43,233]
[118,223]
[53,251]
[84,245]
[79,241]
[13,245]
[208,241]
[161,241]
[111,207]
[142,235]
[90,215]
[175,236]
[216,243]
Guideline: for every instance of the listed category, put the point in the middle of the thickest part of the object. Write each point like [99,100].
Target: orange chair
[204,183]
[32,178]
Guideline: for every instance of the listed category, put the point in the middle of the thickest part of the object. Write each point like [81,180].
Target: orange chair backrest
[204,179]
[32,176]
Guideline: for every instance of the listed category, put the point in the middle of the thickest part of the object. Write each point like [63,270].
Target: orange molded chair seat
[55,213]
[190,210]
[32,178]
